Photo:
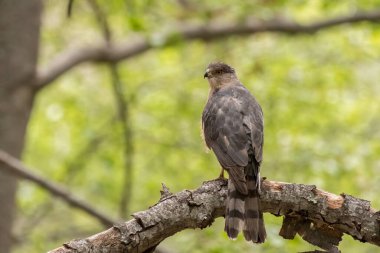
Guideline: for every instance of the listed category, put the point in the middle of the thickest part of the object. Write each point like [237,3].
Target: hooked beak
[205,75]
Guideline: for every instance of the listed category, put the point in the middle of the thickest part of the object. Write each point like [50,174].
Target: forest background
[111,131]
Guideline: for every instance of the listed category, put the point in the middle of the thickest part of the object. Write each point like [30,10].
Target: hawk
[232,123]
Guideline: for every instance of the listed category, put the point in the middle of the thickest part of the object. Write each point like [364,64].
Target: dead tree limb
[317,216]
[18,169]
[211,31]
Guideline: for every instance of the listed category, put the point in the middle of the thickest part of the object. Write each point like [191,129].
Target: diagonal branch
[211,31]
[73,57]
[16,168]
[319,217]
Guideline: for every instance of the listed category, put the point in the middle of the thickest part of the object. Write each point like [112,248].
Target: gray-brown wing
[254,121]
[227,135]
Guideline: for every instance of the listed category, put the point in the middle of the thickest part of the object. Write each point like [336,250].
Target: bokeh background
[319,93]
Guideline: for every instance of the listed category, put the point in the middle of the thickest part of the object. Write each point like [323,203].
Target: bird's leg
[222,174]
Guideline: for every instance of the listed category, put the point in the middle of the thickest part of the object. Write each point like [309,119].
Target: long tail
[254,229]
[234,211]
[243,211]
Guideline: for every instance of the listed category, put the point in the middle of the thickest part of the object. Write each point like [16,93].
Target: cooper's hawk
[232,123]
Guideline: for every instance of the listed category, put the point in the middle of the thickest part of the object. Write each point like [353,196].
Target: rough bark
[208,32]
[319,217]
[19,34]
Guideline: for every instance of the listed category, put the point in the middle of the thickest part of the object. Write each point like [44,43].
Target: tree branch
[123,108]
[211,31]
[319,217]
[16,168]
[123,114]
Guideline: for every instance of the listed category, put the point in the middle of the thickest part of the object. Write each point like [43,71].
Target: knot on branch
[165,192]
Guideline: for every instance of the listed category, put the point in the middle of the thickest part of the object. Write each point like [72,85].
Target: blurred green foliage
[319,93]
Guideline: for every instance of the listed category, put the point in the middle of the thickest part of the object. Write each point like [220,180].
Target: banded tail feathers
[243,212]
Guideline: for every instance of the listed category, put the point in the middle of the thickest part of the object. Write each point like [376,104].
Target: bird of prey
[232,123]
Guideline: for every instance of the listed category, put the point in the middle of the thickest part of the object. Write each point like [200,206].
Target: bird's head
[219,73]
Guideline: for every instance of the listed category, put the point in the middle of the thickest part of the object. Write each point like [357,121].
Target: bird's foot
[221,175]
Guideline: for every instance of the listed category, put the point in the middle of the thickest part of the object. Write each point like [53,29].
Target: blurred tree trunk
[19,36]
